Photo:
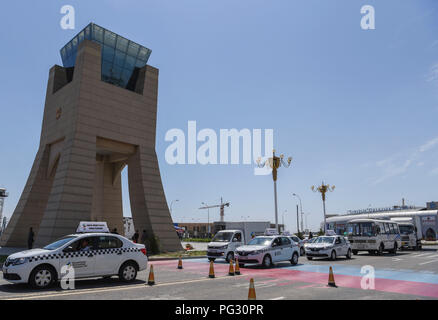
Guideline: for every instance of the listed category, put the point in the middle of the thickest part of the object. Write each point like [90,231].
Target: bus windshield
[363,229]
[406,229]
[222,237]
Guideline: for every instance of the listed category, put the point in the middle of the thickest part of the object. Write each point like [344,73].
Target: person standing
[135,237]
[30,238]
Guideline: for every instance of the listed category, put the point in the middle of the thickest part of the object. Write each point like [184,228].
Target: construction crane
[222,205]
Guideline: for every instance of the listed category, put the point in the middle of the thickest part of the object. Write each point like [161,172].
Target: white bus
[374,236]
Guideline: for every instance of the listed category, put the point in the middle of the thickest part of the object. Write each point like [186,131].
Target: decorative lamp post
[275,163]
[323,189]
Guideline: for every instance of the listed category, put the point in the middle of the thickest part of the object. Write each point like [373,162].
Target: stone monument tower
[99,116]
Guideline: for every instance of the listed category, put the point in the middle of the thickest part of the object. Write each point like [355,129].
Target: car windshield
[222,237]
[407,229]
[324,240]
[59,243]
[262,241]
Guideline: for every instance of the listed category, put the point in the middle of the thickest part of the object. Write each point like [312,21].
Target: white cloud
[432,76]
[428,145]
[398,164]
[434,172]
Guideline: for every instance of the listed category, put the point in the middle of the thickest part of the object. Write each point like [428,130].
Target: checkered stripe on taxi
[81,254]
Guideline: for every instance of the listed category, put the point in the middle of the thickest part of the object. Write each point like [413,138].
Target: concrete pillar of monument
[91,130]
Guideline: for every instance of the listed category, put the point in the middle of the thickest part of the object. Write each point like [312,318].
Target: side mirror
[234,239]
[68,249]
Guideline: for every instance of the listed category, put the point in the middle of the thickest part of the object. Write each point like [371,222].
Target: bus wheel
[394,250]
[380,251]
[355,252]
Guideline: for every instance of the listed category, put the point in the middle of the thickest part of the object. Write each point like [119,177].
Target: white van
[374,236]
[224,243]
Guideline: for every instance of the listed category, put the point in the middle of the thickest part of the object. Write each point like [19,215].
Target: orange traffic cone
[331,280]
[211,272]
[237,268]
[151,279]
[180,263]
[251,292]
[231,269]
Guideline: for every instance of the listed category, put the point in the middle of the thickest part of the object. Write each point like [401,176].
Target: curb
[176,258]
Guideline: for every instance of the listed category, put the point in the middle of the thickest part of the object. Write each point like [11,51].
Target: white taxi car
[266,250]
[328,247]
[89,254]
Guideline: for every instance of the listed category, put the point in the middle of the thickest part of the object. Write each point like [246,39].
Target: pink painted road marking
[291,276]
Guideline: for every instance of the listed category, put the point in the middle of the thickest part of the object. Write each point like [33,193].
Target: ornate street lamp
[275,163]
[323,189]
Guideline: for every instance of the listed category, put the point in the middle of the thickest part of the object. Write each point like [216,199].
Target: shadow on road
[79,284]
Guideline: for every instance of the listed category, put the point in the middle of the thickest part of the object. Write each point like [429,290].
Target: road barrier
[211,272]
[237,268]
[151,278]
[331,279]
[231,269]
[251,291]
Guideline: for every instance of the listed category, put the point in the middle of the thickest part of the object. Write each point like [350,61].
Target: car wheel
[355,252]
[42,277]
[381,248]
[128,272]
[267,261]
[333,255]
[294,259]
[349,254]
[230,256]
[211,259]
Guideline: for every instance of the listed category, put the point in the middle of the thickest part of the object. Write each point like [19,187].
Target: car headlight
[18,261]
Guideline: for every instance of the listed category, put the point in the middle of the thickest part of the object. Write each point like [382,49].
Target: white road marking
[127,287]
[422,254]
[430,261]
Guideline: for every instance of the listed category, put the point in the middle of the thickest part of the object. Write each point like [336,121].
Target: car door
[109,255]
[236,241]
[81,256]
[287,249]
[338,246]
[344,246]
[276,250]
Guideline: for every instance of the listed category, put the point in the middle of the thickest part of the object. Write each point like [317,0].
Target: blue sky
[353,107]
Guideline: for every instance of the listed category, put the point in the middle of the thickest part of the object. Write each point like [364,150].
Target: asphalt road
[406,275]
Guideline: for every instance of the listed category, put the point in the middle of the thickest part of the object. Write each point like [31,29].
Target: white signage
[92,226]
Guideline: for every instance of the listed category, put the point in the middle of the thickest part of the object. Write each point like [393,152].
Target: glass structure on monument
[121,58]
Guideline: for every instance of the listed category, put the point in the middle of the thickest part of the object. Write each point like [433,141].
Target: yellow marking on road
[88,291]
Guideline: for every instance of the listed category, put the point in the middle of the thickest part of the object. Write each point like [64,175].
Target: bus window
[387,230]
